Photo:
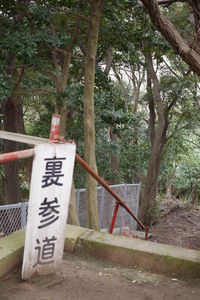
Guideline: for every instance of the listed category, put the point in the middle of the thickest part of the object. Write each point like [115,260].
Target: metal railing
[14,216]
[55,138]
[106,203]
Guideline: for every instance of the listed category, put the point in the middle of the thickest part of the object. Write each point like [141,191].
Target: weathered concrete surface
[158,258]
[12,247]
[11,251]
[72,235]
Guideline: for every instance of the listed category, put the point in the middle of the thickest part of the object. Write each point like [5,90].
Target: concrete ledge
[11,251]
[72,235]
[12,247]
[158,258]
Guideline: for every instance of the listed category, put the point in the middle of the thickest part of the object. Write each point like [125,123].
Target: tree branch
[68,11]
[152,117]
[176,128]
[168,2]
[36,91]
[171,70]
[19,79]
[109,60]
[52,76]
[120,83]
[189,55]
[156,88]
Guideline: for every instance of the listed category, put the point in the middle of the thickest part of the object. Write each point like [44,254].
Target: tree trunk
[72,213]
[12,122]
[195,196]
[114,158]
[149,205]
[168,189]
[88,102]
[60,82]
[113,136]
[187,52]
[168,192]
[158,140]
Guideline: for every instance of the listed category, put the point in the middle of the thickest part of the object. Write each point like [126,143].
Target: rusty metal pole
[106,186]
[54,138]
[55,124]
[16,155]
[114,217]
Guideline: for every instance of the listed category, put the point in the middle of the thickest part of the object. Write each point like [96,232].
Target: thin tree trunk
[12,110]
[169,184]
[114,158]
[195,196]
[148,205]
[72,213]
[158,140]
[88,102]
[60,82]
[168,189]
[113,136]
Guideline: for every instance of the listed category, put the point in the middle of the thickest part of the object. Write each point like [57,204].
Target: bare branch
[120,83]
[52,76]
[171,70]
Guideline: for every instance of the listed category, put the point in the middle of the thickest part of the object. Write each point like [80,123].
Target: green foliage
[27,41]
[187,175]
[5,89]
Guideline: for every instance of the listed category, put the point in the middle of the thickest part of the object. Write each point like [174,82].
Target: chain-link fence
[13,217]
[128,192]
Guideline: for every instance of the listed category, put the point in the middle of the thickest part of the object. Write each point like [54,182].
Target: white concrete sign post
[50,191]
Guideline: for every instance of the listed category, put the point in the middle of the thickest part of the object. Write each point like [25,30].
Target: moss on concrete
[164,259]
[159,258]
[11,251]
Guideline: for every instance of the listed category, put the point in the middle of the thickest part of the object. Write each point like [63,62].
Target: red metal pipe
[55,124]
[106,186]
[114,217]
[6,157]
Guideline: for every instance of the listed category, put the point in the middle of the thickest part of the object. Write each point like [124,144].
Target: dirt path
[178,225]
[82,279]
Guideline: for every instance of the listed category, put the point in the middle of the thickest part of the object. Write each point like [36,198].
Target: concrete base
[154,257]
[11,251]
[158,258]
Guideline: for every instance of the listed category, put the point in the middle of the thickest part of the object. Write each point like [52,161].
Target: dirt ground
[81,278]
[177,225]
